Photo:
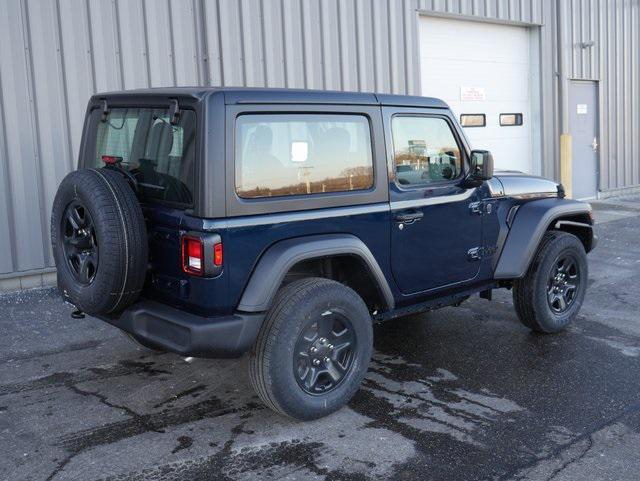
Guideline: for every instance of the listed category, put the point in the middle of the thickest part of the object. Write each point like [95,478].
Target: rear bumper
[188,334]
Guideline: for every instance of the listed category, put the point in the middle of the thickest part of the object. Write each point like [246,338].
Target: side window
[297,154]
[425,150]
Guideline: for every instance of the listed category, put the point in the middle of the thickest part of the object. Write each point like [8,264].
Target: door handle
[408,216]
[594,144]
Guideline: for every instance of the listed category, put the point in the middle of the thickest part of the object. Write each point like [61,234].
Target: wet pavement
[461,393]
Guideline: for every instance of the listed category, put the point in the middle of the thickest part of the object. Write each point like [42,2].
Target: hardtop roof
[251,95]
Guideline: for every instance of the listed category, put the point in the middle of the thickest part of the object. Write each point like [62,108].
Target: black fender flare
[529,225]
[280,257]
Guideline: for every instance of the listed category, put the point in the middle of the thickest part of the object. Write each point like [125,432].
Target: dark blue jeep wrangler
[213,222]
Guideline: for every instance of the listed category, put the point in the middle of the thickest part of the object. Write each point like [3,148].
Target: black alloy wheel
[563,284]
[324,353]
[80,243]
[550,294]
[313,348]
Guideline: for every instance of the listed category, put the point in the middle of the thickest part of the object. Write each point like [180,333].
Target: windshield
[159,155]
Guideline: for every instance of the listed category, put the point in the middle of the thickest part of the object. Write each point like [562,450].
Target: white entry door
[482,70]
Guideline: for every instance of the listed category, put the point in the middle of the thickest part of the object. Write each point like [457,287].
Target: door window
[299,154]
[425,151]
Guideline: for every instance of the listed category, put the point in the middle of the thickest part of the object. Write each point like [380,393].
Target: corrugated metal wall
[614,60]
[522,11]
[55,53]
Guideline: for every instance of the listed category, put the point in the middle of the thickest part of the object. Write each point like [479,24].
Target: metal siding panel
[412,49]
[273,43]
[549,100]
[6,201]
[625,73]
[133,44]
[56,155]
[396,44]
[77,64]
[294,64]
[251,24]
[381,47]
[573,35]
[231,43]
[594,28]
[524,11]
[617,61]
[21,145]
[513,11]
[465,6]
[365,45]
[330,40]
[159,43]
[106,58]
[635,91]
[185,52]
[605,178]
[348,33]
[202,60]
[211,31]
[312,44]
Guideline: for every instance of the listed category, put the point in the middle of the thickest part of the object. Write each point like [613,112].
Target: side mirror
[481,165]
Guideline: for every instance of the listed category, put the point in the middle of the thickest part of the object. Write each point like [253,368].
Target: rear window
[299,154]
[159,155]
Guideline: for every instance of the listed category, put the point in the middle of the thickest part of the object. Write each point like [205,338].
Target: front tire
[551,293]
[313,349]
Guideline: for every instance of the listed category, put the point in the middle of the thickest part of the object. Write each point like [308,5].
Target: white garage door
[484,69]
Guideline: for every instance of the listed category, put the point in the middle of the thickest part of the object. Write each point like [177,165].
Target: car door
[436,230]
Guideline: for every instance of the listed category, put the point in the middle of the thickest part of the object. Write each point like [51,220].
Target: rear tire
[551,293]
[316,329]
[99,241]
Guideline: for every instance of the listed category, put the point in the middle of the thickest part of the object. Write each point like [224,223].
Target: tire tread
[526,307]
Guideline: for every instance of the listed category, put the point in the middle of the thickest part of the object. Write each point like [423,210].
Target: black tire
[535,296]
[274,362]
[99,241]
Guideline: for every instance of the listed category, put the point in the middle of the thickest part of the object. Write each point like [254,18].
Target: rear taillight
[201,254]
[192,255]
[217,254]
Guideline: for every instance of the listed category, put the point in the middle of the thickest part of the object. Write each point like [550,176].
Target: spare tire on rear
[99,241]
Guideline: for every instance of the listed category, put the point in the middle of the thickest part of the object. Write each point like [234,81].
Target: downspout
[563,74]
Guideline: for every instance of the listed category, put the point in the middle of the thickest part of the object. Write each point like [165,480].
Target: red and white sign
[472,94]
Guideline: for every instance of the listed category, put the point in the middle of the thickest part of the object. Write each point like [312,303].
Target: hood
[518,184]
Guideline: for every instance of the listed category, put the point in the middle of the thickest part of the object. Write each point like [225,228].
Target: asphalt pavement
[460,393]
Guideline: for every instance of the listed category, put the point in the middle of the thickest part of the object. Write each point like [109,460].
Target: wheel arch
[305,254]
[530,223]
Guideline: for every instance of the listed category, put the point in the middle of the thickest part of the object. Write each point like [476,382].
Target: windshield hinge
[105,111]
[174,112]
